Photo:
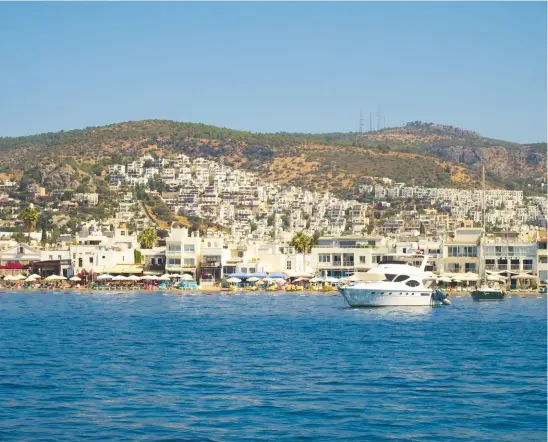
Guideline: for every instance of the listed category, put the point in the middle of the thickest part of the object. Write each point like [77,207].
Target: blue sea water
[117,367]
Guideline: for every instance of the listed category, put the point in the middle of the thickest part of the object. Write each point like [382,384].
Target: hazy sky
[270,67]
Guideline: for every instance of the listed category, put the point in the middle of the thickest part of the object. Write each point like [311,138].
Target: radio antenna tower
[379,117]
[370,122]
[360,127]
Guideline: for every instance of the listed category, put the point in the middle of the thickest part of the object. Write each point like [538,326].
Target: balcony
[211,264]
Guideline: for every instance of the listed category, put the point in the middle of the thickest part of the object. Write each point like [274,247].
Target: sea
[268,367]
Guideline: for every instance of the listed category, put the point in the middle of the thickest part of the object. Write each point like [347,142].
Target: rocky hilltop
[419,153]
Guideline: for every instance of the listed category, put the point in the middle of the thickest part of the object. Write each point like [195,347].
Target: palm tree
[301,242]
[148,237]
[29,216]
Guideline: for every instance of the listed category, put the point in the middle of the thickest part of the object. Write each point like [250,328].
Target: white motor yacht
[394,283]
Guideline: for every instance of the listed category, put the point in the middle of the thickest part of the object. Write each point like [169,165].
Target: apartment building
[183,250]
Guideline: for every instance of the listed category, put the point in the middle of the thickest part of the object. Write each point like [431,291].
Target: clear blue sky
[271,67]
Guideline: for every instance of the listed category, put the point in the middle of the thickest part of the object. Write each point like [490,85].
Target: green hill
[420,153]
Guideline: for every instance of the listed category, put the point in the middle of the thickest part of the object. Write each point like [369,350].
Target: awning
[124,269]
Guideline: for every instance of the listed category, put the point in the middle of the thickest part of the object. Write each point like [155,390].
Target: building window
[362,259]
[288,265]
[59,257]
[469,267]
[174,248]
[51,257]
[91,259]
[174,261]
[80,262]
[189,248]
[189,261]
[324,258]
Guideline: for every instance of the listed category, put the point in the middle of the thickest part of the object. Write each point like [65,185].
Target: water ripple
[170,367]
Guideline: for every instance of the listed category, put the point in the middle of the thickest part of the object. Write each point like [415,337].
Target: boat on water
[483,292]
[394,283]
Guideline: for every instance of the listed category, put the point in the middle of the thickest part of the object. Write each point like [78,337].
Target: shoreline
[212,290]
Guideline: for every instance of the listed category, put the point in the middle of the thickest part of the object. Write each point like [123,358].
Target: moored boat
[394,283]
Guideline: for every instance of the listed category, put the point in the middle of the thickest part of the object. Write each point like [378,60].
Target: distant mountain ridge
[418,153]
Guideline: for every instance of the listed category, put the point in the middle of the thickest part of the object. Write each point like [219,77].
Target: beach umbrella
[18,278]
[233,279]
[8,278]
[164,278]
[444,279]
[316,279]
[104,276]
[331,279]
[30,279]
[496,278]
[303,275]
[75,278]
[187,277]
[51,278]
[35,276]
[147,278]
[252,279]
[133,278]
[119,278]
[523,276]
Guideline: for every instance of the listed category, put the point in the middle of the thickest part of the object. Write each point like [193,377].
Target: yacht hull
[360,297]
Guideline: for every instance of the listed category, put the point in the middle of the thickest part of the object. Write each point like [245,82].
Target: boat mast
[482,238]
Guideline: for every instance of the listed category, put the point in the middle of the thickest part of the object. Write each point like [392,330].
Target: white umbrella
[268,280]
[331,279]
[187,277]
[30,279]
[119,278]
[51,278]
[469,276]
[147,278]
[104,276]
[316,279]
[496,277]
[524,276]
[75,278]
[233,279]
[18,278]
[133,278]
[444,279]
[164,278]
[165,275]
[252,279]
[35,276]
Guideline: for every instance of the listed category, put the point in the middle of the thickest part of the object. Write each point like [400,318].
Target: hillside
[419,153]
